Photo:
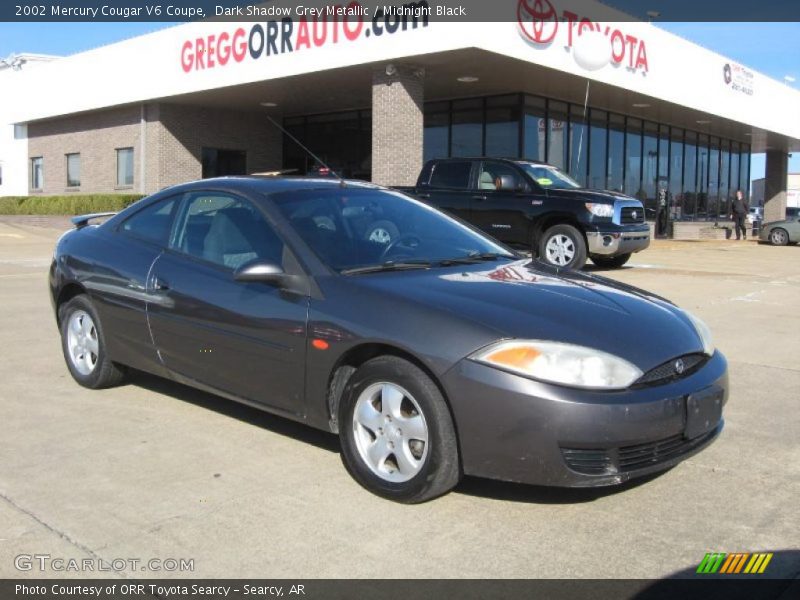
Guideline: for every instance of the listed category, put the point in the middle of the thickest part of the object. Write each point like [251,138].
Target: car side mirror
[507,183]
[262,271]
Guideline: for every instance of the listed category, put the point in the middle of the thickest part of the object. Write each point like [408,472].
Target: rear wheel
[84,346]
[611,262]
[563,246]
[779,237]
[397,435]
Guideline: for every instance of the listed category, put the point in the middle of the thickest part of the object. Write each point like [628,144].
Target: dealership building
[620,104]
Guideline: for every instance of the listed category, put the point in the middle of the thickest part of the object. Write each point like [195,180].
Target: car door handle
[159,285]
[423,195]
[479,197]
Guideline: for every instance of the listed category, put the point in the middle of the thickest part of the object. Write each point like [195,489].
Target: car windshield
[353,229]
[549,176]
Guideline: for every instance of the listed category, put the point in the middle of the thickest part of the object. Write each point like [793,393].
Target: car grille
[630,458]
[631,214]
[669,372]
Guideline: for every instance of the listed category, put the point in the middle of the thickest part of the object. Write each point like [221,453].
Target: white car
[756,214]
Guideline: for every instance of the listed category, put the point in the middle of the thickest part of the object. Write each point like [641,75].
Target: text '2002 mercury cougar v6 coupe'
[436,354]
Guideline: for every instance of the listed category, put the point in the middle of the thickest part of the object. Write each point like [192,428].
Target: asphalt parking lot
[157,470]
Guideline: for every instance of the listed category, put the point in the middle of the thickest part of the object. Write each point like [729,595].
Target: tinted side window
[451,174]
[225,230]
[152,223]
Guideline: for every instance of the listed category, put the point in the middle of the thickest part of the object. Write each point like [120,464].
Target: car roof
[507,158]
[269,184]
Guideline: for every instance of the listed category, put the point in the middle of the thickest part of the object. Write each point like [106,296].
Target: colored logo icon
[734,564]
[537,20]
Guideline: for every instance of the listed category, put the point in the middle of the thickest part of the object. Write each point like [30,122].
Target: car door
[117,281]
[243,338]
[503,213]
[449,187]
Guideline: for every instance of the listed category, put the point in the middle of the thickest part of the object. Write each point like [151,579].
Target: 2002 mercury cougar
[433,355]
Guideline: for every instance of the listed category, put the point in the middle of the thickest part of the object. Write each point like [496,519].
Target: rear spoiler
[83,220]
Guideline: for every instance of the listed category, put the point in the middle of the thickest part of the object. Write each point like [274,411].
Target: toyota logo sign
[538,20]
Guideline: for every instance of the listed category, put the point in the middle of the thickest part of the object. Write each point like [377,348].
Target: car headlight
[565,364]
[600,210]
[703,332]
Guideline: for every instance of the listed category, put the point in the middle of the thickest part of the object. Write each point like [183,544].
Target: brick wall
[397,125]
[174,136]
[185,130]
[96,136]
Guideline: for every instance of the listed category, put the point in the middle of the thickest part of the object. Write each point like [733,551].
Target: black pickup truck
[537,206]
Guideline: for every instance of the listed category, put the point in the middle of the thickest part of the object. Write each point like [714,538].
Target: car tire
[563,246]
[382,232]
[84,345]
[384,396]
[778,237]
[611,262]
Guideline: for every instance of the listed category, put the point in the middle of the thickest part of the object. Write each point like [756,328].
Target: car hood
[600,196]
[529,300]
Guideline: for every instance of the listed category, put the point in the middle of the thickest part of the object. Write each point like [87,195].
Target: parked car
[755,215]
[438,354]
[781,233]
[535,205]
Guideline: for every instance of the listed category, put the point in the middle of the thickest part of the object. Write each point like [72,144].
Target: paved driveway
[157,470]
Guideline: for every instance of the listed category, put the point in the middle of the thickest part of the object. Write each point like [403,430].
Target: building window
[502,126]
[557,134]
[219,163]
[535,128]
[598,141]
[633,159]
[467,129]
[73,170]
[37,173]
[616,152]
[124,167]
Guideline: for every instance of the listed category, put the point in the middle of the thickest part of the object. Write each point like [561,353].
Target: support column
[398,92]
[775,185]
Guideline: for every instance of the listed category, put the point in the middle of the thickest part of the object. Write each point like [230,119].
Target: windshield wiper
[474,257]
[389,265]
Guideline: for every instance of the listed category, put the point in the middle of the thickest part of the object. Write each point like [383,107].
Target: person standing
[739,210]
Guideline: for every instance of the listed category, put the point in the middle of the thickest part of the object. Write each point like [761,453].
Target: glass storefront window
[633,159]
[598,138]
[701,212]
[675,187]
[690,176]
[535,128]
[502,126]
[616,152]
[713,179]
[578,144]
[724,173]
[436,135]
[650,169]
[467,128]
[734,176]
[744,170]
[557,134]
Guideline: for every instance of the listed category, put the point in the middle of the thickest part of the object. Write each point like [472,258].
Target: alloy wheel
[390,432]
[82,342]
[560,250]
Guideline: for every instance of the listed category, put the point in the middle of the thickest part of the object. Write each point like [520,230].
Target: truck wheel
[610,262]
[563,246]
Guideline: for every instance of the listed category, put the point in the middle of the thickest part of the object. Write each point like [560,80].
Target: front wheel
[778,237]
[563,246]
[611,262]
[397,435]
[84,345]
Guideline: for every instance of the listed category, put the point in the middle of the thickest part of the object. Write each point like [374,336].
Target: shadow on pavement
[229,408]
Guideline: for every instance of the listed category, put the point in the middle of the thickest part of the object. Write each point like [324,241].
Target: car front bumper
[614,243]
[517,429]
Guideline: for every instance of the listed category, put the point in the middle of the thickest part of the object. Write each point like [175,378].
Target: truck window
[490,173]
[451,174]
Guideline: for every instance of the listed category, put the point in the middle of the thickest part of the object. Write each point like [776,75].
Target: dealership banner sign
[445,10]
